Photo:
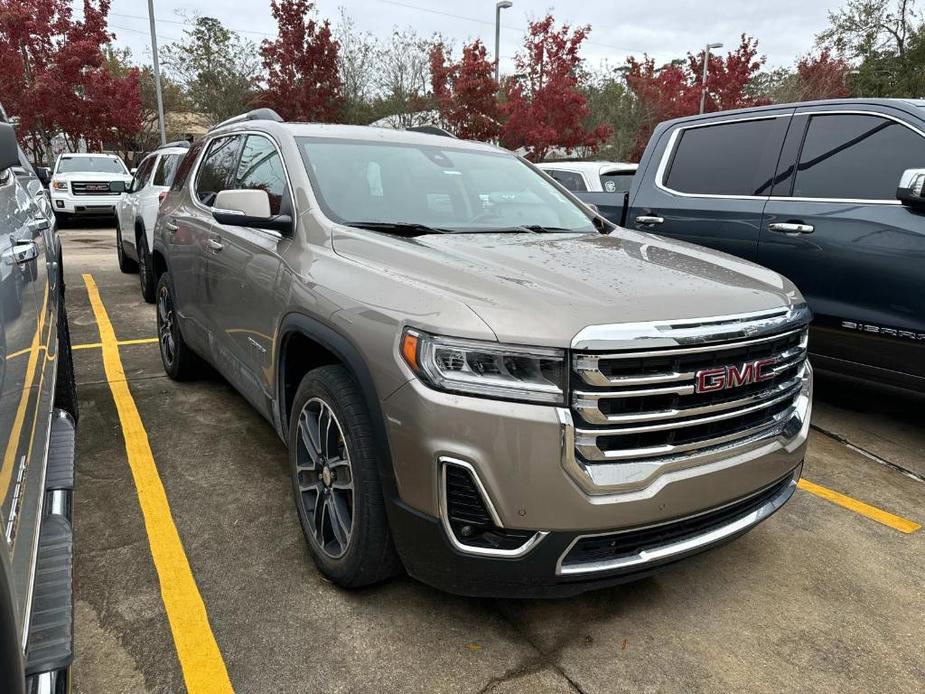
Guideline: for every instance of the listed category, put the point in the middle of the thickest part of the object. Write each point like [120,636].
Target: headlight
[59,185]
[486,369]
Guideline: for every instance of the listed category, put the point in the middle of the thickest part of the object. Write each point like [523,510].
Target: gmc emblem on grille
[98,187]
[723,377]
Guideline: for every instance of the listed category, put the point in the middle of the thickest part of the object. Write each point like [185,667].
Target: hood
[543,289]
[91,176]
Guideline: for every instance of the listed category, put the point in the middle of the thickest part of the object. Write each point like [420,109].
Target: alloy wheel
[325,478]
[166,326]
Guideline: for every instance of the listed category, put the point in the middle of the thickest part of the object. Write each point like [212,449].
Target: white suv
[87,184]
[136,212]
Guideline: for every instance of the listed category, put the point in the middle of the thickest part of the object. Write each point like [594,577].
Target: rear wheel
[334,461]
[180,362]
[126,264]
[145,268]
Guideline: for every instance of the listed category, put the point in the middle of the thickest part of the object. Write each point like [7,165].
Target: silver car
[478,379]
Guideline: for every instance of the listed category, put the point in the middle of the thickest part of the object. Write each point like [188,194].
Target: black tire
[180,362]
[126,264]
[369,555]
[145,268]
[66,383]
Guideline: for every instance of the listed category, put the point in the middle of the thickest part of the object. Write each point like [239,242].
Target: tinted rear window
[166,169]
[570,179]
[856,157]
[728,159]
[617,182]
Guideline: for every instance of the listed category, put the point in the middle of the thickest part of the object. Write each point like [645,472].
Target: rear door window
[260,168]
[857,157]
[572,180]
[734,158]
[617,182]
[217,169]
[166,169]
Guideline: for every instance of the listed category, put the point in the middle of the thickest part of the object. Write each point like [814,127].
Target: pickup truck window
[570,179]
[734,158]
[617,182]
[457,189]
[856,157]
[77,163]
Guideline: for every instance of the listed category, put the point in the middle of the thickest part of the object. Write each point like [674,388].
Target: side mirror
[9,148]
[249,208]
[117,187]
[133,170]
[910,191]
[43,173]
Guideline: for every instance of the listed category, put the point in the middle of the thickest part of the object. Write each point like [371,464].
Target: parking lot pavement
[819,598]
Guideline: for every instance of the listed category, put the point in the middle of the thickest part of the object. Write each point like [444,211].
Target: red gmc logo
[723,377]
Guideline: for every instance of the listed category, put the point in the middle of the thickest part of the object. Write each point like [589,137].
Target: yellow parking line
[121,343]
[200,659]
[903,525]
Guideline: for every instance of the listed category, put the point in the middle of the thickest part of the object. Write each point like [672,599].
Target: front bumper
[430,557]
[65,203]
[522,458]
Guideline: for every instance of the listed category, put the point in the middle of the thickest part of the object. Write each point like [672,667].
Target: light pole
[706,62]
[157,75]
[500,5]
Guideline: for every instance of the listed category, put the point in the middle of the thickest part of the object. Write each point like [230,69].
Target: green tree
[610,102]
[218,70]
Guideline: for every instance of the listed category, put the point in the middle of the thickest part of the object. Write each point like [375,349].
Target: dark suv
[827,193]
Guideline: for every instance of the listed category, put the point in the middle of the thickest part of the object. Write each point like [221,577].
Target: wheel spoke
[305,434]
[339,519]
[343,474]
[318,519]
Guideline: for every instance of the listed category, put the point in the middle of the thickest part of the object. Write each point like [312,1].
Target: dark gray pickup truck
[38,411]
[827,193]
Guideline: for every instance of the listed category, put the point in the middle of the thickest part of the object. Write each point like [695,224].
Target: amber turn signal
[409,350]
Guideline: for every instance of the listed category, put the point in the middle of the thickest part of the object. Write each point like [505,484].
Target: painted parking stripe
[899,523]
[121,343]
[200,659]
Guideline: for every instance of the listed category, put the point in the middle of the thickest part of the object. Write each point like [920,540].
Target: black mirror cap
[43,173]
[9,147]
[280,222]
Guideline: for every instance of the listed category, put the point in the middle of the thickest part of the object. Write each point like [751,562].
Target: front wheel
[333,461]
[146,269]
[126,264]
[180,362]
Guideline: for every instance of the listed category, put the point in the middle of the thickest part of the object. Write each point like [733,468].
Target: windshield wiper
[540,229]
[402,228]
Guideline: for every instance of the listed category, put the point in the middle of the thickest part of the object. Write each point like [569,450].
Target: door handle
[792,228]
[215,245]
[649,219]
[171,227]
[22,251]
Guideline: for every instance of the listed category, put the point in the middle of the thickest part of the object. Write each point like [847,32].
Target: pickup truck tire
[322,467]
[126,265]
[145,269]
[66,383]
[180,362]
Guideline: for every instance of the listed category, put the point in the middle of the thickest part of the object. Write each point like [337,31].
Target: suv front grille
[644,405]
[91,188]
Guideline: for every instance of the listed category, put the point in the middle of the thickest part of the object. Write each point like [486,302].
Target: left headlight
[486,369]
[59,185]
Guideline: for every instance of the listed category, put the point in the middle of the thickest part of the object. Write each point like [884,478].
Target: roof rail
[430,130]
[256,114]
[178,143]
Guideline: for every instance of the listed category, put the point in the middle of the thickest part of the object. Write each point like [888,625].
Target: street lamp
[706,61]
[500,5]
[157,75]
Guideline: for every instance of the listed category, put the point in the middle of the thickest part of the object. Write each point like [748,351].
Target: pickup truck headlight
[59,185]
[486,369]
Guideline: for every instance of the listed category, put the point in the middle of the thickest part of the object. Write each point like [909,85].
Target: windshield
[442,187]
[91,165]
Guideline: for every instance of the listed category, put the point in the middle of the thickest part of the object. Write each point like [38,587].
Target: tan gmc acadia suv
[478,378]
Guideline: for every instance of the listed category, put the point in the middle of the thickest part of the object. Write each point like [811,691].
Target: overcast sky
[661,28]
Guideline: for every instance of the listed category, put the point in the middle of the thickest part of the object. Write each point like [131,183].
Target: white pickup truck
[87,184]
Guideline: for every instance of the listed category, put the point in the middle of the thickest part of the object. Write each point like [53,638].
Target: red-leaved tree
[822,76]
[54,78]
[543,107]
[465,92]
[303,82]
[675,89]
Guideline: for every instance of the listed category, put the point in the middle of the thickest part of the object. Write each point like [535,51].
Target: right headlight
[486,369]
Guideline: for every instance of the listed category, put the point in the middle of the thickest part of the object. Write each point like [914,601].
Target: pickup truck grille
[91,188]
[656,403]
